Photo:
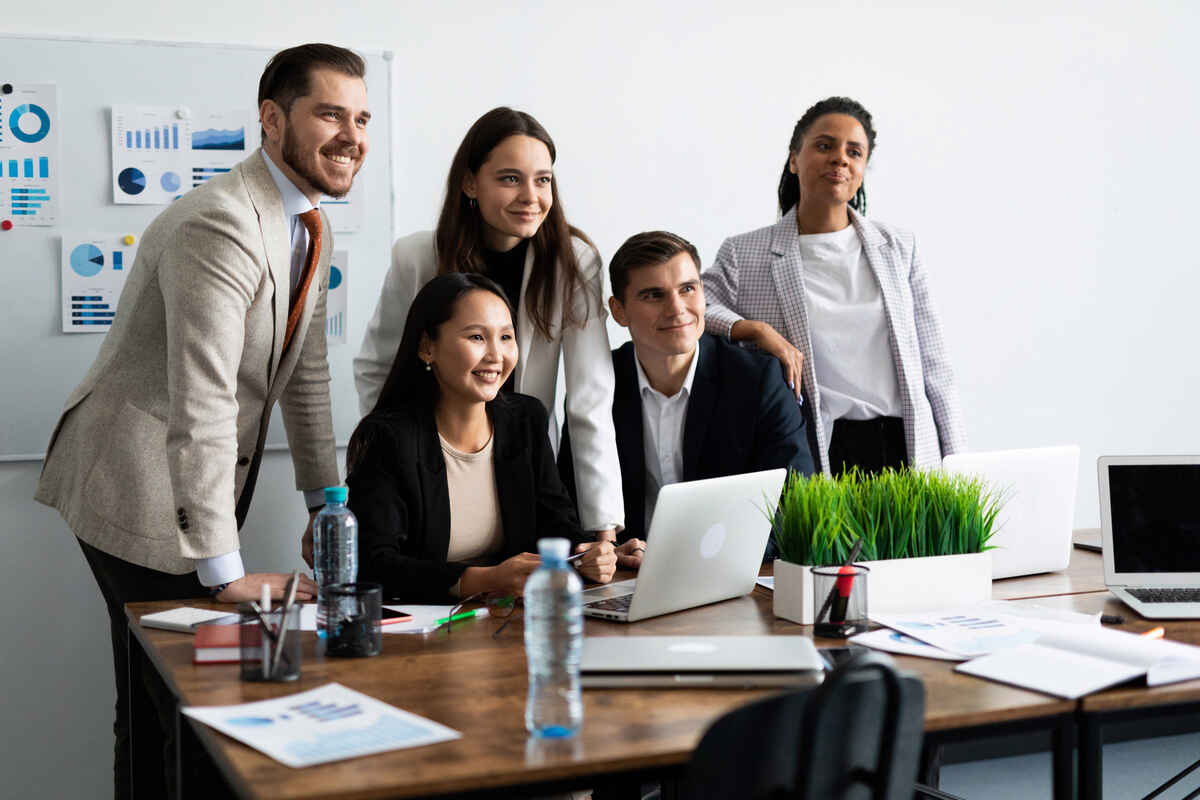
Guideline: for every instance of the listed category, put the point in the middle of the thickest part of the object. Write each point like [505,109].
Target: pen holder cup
[271,654]
[349,616]
[840,597]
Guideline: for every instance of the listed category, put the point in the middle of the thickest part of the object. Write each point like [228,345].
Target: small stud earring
[429,366]
[470,202]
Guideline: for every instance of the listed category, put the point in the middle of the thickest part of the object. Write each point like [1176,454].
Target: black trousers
[122,582]
[871,445]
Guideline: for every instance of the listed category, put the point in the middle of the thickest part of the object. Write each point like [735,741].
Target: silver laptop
[705,544]
[1150,528]
[1032,532]
[699,661]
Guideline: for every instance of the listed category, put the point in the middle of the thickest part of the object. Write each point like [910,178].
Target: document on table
[424,618]
[896,642]
[329,723]
[767,582]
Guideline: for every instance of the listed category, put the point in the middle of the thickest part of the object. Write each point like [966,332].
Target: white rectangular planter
[902,584]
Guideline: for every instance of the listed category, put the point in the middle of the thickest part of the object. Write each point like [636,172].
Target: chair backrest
[857,735]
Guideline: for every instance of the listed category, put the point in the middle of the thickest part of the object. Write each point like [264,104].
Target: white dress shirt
[228,567]
[663,419]
[851,341]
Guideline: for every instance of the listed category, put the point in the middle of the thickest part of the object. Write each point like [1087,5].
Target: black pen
[854,551]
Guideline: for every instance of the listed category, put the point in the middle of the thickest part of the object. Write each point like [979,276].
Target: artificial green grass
[898,514]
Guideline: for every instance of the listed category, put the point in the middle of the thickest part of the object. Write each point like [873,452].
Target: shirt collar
[294,201]
[686,389]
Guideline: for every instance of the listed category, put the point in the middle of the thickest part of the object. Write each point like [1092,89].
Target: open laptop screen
[1155,512]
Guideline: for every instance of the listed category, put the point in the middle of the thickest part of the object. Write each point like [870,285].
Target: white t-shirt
[851,342]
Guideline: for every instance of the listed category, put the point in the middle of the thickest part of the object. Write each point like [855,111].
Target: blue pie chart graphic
[87,260]
[335,277]
[131,180]
[14,123]
[170,181]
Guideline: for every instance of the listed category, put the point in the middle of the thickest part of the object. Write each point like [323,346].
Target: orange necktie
[312,221]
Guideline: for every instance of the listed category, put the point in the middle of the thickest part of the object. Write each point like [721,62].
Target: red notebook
[217,644]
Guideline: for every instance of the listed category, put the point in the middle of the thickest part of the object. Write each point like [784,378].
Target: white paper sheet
[93,273]
[424,618]
[335,303]
[895,642]
[329,723]
[29,155]
[767,582]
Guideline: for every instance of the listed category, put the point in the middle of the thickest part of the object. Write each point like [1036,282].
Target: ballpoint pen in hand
[833,590]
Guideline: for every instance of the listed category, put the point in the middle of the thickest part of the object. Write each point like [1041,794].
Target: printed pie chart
[170,181]
[131,180]
[18,123]
[87,260]
[335,277]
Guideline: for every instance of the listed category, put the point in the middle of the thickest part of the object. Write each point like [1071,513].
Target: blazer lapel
[627,413]
[512,477]
[435,494]
[700,406]
[525,330]
[277,238]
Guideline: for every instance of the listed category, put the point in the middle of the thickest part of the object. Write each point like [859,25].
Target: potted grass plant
[925,538]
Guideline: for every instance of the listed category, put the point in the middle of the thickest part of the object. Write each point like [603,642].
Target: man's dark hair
[288,73]
[646,250]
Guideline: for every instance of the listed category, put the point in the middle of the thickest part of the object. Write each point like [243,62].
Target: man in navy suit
[687,405]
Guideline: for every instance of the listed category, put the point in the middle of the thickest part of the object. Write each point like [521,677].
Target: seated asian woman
[452,480]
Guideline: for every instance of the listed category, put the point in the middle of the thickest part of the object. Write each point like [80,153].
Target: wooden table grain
[473,682]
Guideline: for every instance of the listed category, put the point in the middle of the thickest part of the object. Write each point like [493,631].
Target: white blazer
[586,359]
[760,275]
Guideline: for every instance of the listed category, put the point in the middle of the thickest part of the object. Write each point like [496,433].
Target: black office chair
[856,735]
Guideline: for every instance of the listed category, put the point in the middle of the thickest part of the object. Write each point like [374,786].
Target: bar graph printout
[335,305]
[29,154]
[329,723]
[94,267]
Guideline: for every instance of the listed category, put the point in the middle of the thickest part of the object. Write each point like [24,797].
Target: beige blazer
[157,445]
[586,360]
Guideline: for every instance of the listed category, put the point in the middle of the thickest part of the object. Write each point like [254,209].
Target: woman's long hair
[459,236]
[789,184]
[408,383]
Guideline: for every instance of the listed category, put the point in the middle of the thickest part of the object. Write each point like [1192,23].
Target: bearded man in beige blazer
[154,459]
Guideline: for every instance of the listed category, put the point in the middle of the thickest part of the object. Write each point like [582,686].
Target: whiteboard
[40,363]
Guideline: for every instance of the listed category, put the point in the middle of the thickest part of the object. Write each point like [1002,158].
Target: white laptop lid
[706,542]
[1150,520]
[1032,532]
[698,654]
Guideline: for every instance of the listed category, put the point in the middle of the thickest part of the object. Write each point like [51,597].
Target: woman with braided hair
[842,301]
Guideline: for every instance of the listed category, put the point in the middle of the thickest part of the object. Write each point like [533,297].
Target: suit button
[243,461]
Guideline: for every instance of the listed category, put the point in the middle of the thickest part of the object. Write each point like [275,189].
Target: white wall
[1043,152]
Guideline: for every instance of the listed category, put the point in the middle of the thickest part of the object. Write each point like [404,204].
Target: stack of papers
[1060,653]
[424,618]
[329,723]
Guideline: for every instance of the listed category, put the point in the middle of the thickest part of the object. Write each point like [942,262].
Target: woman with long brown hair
[502,217]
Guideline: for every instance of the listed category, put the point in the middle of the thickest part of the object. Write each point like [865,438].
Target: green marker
[479,612]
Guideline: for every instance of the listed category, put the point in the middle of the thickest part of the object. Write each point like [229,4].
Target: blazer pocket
[129,485]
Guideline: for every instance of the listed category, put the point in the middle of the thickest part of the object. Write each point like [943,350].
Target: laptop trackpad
[618,589]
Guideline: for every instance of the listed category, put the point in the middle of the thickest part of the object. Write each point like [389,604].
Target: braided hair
[789,184]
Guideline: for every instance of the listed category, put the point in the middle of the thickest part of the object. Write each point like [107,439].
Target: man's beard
[294,159]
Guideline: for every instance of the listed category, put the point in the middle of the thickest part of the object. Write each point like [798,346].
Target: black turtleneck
[507,269]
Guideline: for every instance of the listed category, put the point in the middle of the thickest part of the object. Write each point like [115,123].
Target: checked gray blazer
[760,276]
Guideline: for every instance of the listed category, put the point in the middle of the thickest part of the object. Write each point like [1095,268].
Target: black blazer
[741,417]
[399,494]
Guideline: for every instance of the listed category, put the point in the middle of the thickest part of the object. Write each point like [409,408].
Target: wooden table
[470,681]
[1084,573]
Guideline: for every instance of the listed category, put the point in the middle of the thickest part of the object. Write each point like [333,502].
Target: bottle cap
[337,494]
[554,549]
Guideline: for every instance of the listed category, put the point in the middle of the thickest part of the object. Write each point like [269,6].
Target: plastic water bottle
[553,641]
[335,545]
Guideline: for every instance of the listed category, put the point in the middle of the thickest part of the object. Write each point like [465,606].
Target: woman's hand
[599,561]
[629,555]
[506,578]
[767,339]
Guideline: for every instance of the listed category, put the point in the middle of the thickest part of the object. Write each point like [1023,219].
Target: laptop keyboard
[612,603]
[1166,595]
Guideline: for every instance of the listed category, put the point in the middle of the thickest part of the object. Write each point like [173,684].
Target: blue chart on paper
[335,277]
[131,180]
[170,181]
[43,119]
[215,139]
[87,260]
[384,734]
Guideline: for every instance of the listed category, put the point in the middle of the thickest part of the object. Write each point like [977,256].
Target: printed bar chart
[118,260]
[201,174]
[43,167]
[12,168]
[27,202]
[29,168]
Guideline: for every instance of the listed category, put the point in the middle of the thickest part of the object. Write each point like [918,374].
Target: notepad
[183,619]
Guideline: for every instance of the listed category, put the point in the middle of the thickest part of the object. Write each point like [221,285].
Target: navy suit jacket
[741,417]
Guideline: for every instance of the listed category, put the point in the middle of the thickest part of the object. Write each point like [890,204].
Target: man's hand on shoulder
[246,588]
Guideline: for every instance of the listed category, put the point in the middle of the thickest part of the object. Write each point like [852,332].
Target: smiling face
[475,350]
[513,189]
[320,143]
[663,308]
[831,160]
